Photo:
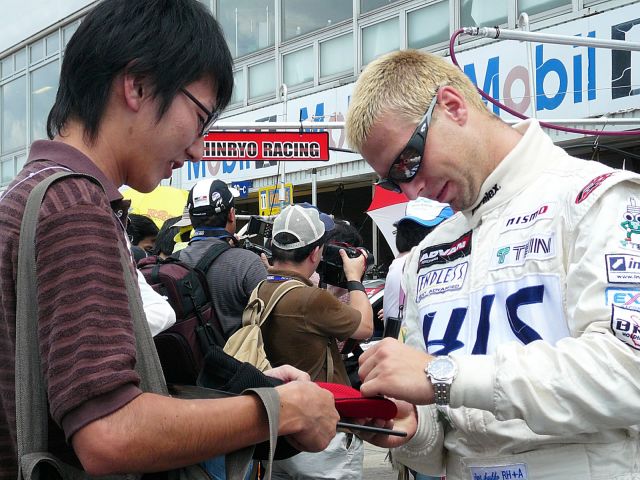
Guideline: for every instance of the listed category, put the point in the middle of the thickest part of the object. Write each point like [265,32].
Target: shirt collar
[520,167]
[290,273]
[70,157]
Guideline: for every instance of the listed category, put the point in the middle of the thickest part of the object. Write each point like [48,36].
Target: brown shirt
[301,326]
[86,335]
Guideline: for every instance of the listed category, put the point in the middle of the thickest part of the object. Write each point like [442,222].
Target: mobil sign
[570,82]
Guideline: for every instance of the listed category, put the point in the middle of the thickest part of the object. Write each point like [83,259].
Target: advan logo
[445,252]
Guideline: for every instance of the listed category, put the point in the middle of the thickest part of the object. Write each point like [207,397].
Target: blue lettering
[317,117]
[542,70]
[491,79]
[195,170]
[450,341]
[482,335]
[524,296]
[228,166]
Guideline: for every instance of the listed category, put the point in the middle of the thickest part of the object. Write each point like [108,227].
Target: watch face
[442,368]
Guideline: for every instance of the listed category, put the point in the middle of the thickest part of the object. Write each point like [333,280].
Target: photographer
[304,325]
[234,274]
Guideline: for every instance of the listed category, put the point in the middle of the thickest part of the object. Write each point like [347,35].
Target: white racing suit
[534,292]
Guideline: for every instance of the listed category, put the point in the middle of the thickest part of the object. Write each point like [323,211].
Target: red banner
[280,146]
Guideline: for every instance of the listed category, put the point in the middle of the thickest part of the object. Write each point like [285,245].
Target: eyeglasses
[211,118]
[406,165]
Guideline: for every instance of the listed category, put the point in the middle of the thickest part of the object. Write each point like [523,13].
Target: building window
[68,32]
[474,13]
[336,56]
[304,16]
[248,25]
[299,67]
[44,83]
[262,80]
[239,92]
[7,170]
[52,43]
[428,26]
[368,5]
[532,7]
[379,39]
[36,51]
[14,115]
[21,59]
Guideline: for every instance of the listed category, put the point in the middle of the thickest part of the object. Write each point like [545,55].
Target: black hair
[172,43]
[409,234]
[140,227]
[138,253]
[344,232]
[215,220]
[165,240]
[297,255]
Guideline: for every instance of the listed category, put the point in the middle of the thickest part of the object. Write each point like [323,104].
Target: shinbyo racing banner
[272,146]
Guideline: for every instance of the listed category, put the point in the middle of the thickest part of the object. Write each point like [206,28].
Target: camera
[259,226]
[330,268]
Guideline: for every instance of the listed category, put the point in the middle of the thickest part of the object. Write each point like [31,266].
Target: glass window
[379,39]
[262,79]
[428,26]
[531,7]
[6,66]
[336,56]
[44,83]
[20,161]
[298,67]
[7,170]
[474,13]
[14,115]
[247,24]
[68,32]
[239,93]
[52,43]
[304,16]
[36,51]
[368,5]
[21,59]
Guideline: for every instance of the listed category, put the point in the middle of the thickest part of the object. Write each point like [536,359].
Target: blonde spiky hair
[403,82]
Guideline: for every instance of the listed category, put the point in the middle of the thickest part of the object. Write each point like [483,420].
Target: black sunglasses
[211,118]
[406,165]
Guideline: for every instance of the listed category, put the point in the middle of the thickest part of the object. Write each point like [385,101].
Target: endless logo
[445,252]
[441,280]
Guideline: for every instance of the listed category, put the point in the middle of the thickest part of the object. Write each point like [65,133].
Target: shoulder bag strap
[276,296]
[211,254]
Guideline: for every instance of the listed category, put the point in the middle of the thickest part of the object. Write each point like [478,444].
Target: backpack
[246,344]
[183,346]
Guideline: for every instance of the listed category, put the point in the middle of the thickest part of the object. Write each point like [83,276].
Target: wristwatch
[441,371]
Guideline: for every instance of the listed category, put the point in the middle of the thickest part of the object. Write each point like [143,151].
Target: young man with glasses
[532,361]
[140,84]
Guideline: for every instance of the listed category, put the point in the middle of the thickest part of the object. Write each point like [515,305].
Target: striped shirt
[86,337]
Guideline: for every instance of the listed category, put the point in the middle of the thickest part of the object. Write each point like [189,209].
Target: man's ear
[453,104]
[134,90]
[232,215]
[316,254]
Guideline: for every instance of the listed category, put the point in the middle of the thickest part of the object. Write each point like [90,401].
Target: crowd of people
[512,360]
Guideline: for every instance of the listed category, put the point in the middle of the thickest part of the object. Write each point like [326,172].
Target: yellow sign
[269,198]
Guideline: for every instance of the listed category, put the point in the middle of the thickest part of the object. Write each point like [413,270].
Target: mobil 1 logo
[623,268]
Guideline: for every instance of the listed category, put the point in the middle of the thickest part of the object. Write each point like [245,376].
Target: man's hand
[353,267]
[287,373]
[395,370]
[405,421]
[307,415]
